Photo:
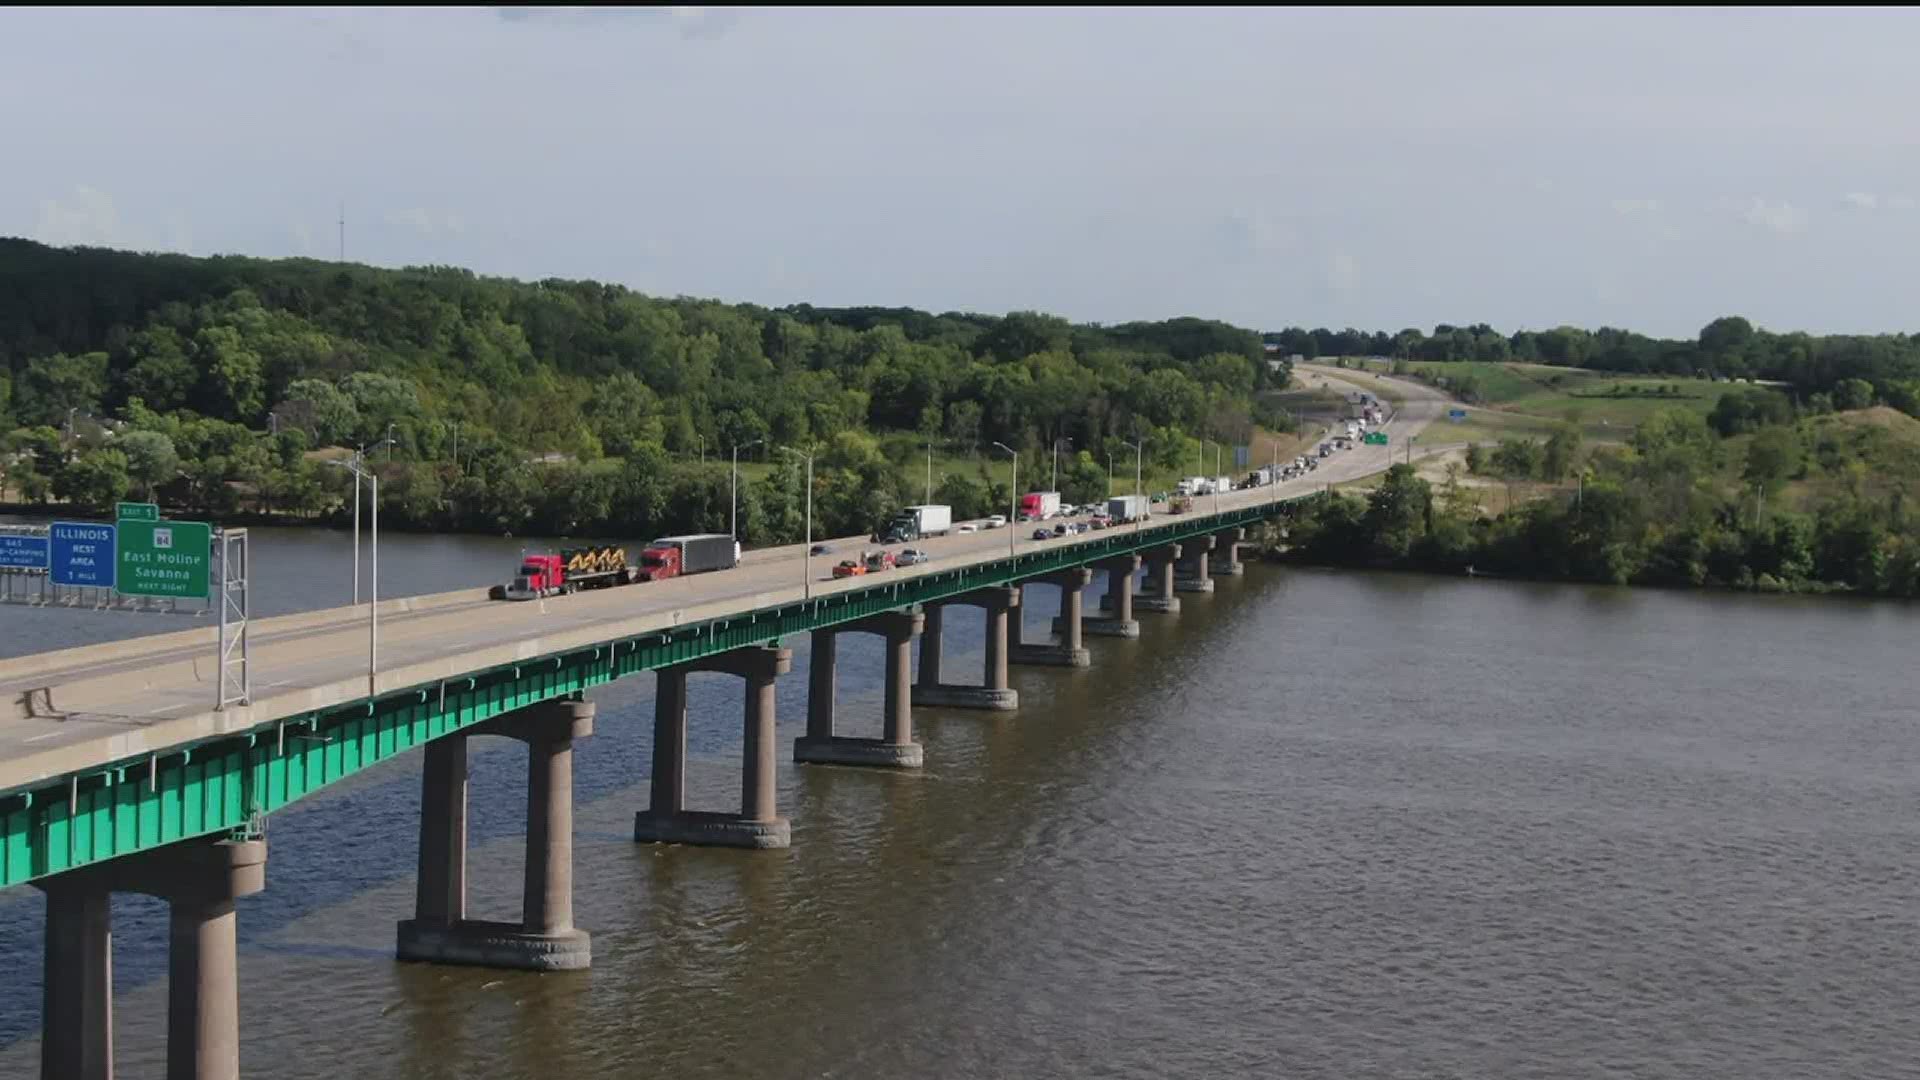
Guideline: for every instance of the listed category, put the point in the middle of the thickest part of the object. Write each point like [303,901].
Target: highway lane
[121,700]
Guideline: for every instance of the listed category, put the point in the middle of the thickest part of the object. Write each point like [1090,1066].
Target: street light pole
[806,547]
[357,454]
[1013,495]
[1136,478]
[929,472]
[733,491]
[356,464]
[389,443]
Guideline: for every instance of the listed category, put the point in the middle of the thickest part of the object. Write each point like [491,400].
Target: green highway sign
[164,558]
[136,512]
[1376,438]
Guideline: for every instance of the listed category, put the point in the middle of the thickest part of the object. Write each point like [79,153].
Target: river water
[1320,824]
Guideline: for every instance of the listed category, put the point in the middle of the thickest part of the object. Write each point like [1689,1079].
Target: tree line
[563,407]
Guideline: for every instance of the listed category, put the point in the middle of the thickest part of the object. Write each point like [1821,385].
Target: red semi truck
[602,567]
[571,570]
[676,556]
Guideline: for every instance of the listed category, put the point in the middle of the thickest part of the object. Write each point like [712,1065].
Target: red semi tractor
[574,569]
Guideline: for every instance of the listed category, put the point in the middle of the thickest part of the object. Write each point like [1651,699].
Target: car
[1100,521]
[878,561]
[1042,534]
[848,568]
[1078,527]
[912,557]
[1060,529]
[820,549]
[966,527]
[996,521]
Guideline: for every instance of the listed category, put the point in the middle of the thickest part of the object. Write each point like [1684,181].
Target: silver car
[911,557]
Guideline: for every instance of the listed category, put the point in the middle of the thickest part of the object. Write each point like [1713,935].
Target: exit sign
[137,512]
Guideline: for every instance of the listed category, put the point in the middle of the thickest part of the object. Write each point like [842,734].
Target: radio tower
[343,232]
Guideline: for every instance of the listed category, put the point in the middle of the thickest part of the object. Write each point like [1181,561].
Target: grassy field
[1528,400]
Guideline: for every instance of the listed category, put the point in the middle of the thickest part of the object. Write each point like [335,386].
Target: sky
[1648,169]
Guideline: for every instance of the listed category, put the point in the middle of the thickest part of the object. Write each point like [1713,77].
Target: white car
[966,527]
[996,521]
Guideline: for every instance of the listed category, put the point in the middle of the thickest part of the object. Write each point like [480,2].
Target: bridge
[118,772]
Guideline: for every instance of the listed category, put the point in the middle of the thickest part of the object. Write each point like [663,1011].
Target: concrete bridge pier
[545,938]
[998,602]
[1227,543]
[200,880]
[895,747]
[1192,576]
[1156,593]
[1117,602]
[1071,651]
[758,824]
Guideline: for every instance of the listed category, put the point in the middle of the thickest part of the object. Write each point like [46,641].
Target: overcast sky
[1649,169]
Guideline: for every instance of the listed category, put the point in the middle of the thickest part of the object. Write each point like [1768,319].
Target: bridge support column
[1192,576]
[1117,603]
[895,747]
[996,694]
[199,880]
[76,998]
[1071,651]
[1157,592]
[758,824]
[545,938]
[1227,543]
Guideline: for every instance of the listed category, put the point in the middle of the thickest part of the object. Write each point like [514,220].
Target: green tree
[150,459]
[320,409]
[1774,455]
[52,386]
[1083,481]
[96,480]
[1561,455]
[1398,513]
[1852,394]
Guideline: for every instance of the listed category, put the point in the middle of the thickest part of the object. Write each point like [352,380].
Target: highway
[86,707]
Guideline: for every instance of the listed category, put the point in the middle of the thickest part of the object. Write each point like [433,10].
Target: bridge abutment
[895,747]
[997,694]
[199,880]
[1071,651]
[545,938]
[758,824]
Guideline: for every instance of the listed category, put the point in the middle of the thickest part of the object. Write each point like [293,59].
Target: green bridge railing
[229,784]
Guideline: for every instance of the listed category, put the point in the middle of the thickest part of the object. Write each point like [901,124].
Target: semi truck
[916,523]
[571,570]
[1125,508]
[677,556]
[1036,505]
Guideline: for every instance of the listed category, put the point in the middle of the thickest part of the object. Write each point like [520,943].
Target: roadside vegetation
[225,386]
